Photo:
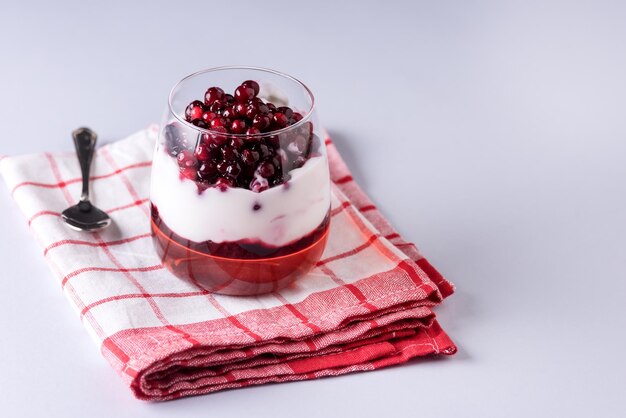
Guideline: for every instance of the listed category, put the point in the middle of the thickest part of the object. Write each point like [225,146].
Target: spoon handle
[85,143]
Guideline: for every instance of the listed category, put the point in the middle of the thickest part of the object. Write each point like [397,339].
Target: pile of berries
[241,147]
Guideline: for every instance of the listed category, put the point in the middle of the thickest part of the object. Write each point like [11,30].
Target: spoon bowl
[85,217]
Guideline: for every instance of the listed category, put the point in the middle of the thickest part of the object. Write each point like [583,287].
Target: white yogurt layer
[285,215]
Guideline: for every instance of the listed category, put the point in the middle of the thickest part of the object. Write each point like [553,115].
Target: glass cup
[240,188]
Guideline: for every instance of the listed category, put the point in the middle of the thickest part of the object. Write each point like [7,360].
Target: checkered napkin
[366,305]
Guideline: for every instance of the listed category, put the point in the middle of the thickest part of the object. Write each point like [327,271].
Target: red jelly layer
[245,267]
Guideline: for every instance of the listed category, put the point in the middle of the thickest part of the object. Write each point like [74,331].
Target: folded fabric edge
[194,367]
[368,357]
[158,343]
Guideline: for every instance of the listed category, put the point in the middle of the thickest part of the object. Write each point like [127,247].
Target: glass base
[237,276]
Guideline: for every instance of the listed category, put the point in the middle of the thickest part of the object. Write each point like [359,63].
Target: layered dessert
[240,192]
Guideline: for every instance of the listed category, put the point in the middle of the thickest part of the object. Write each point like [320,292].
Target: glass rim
[289,128]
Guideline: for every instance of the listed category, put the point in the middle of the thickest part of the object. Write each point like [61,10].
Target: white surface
[491,133]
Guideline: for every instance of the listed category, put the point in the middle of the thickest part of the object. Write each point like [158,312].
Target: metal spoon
[84,216]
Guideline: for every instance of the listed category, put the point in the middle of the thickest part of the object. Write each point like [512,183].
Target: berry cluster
[239,113]
[256,157]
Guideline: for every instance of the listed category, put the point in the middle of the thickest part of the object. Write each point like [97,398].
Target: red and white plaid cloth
[366,305]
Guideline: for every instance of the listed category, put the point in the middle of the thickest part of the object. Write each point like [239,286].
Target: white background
[493,134]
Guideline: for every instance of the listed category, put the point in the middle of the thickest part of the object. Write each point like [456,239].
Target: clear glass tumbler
[240,188]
